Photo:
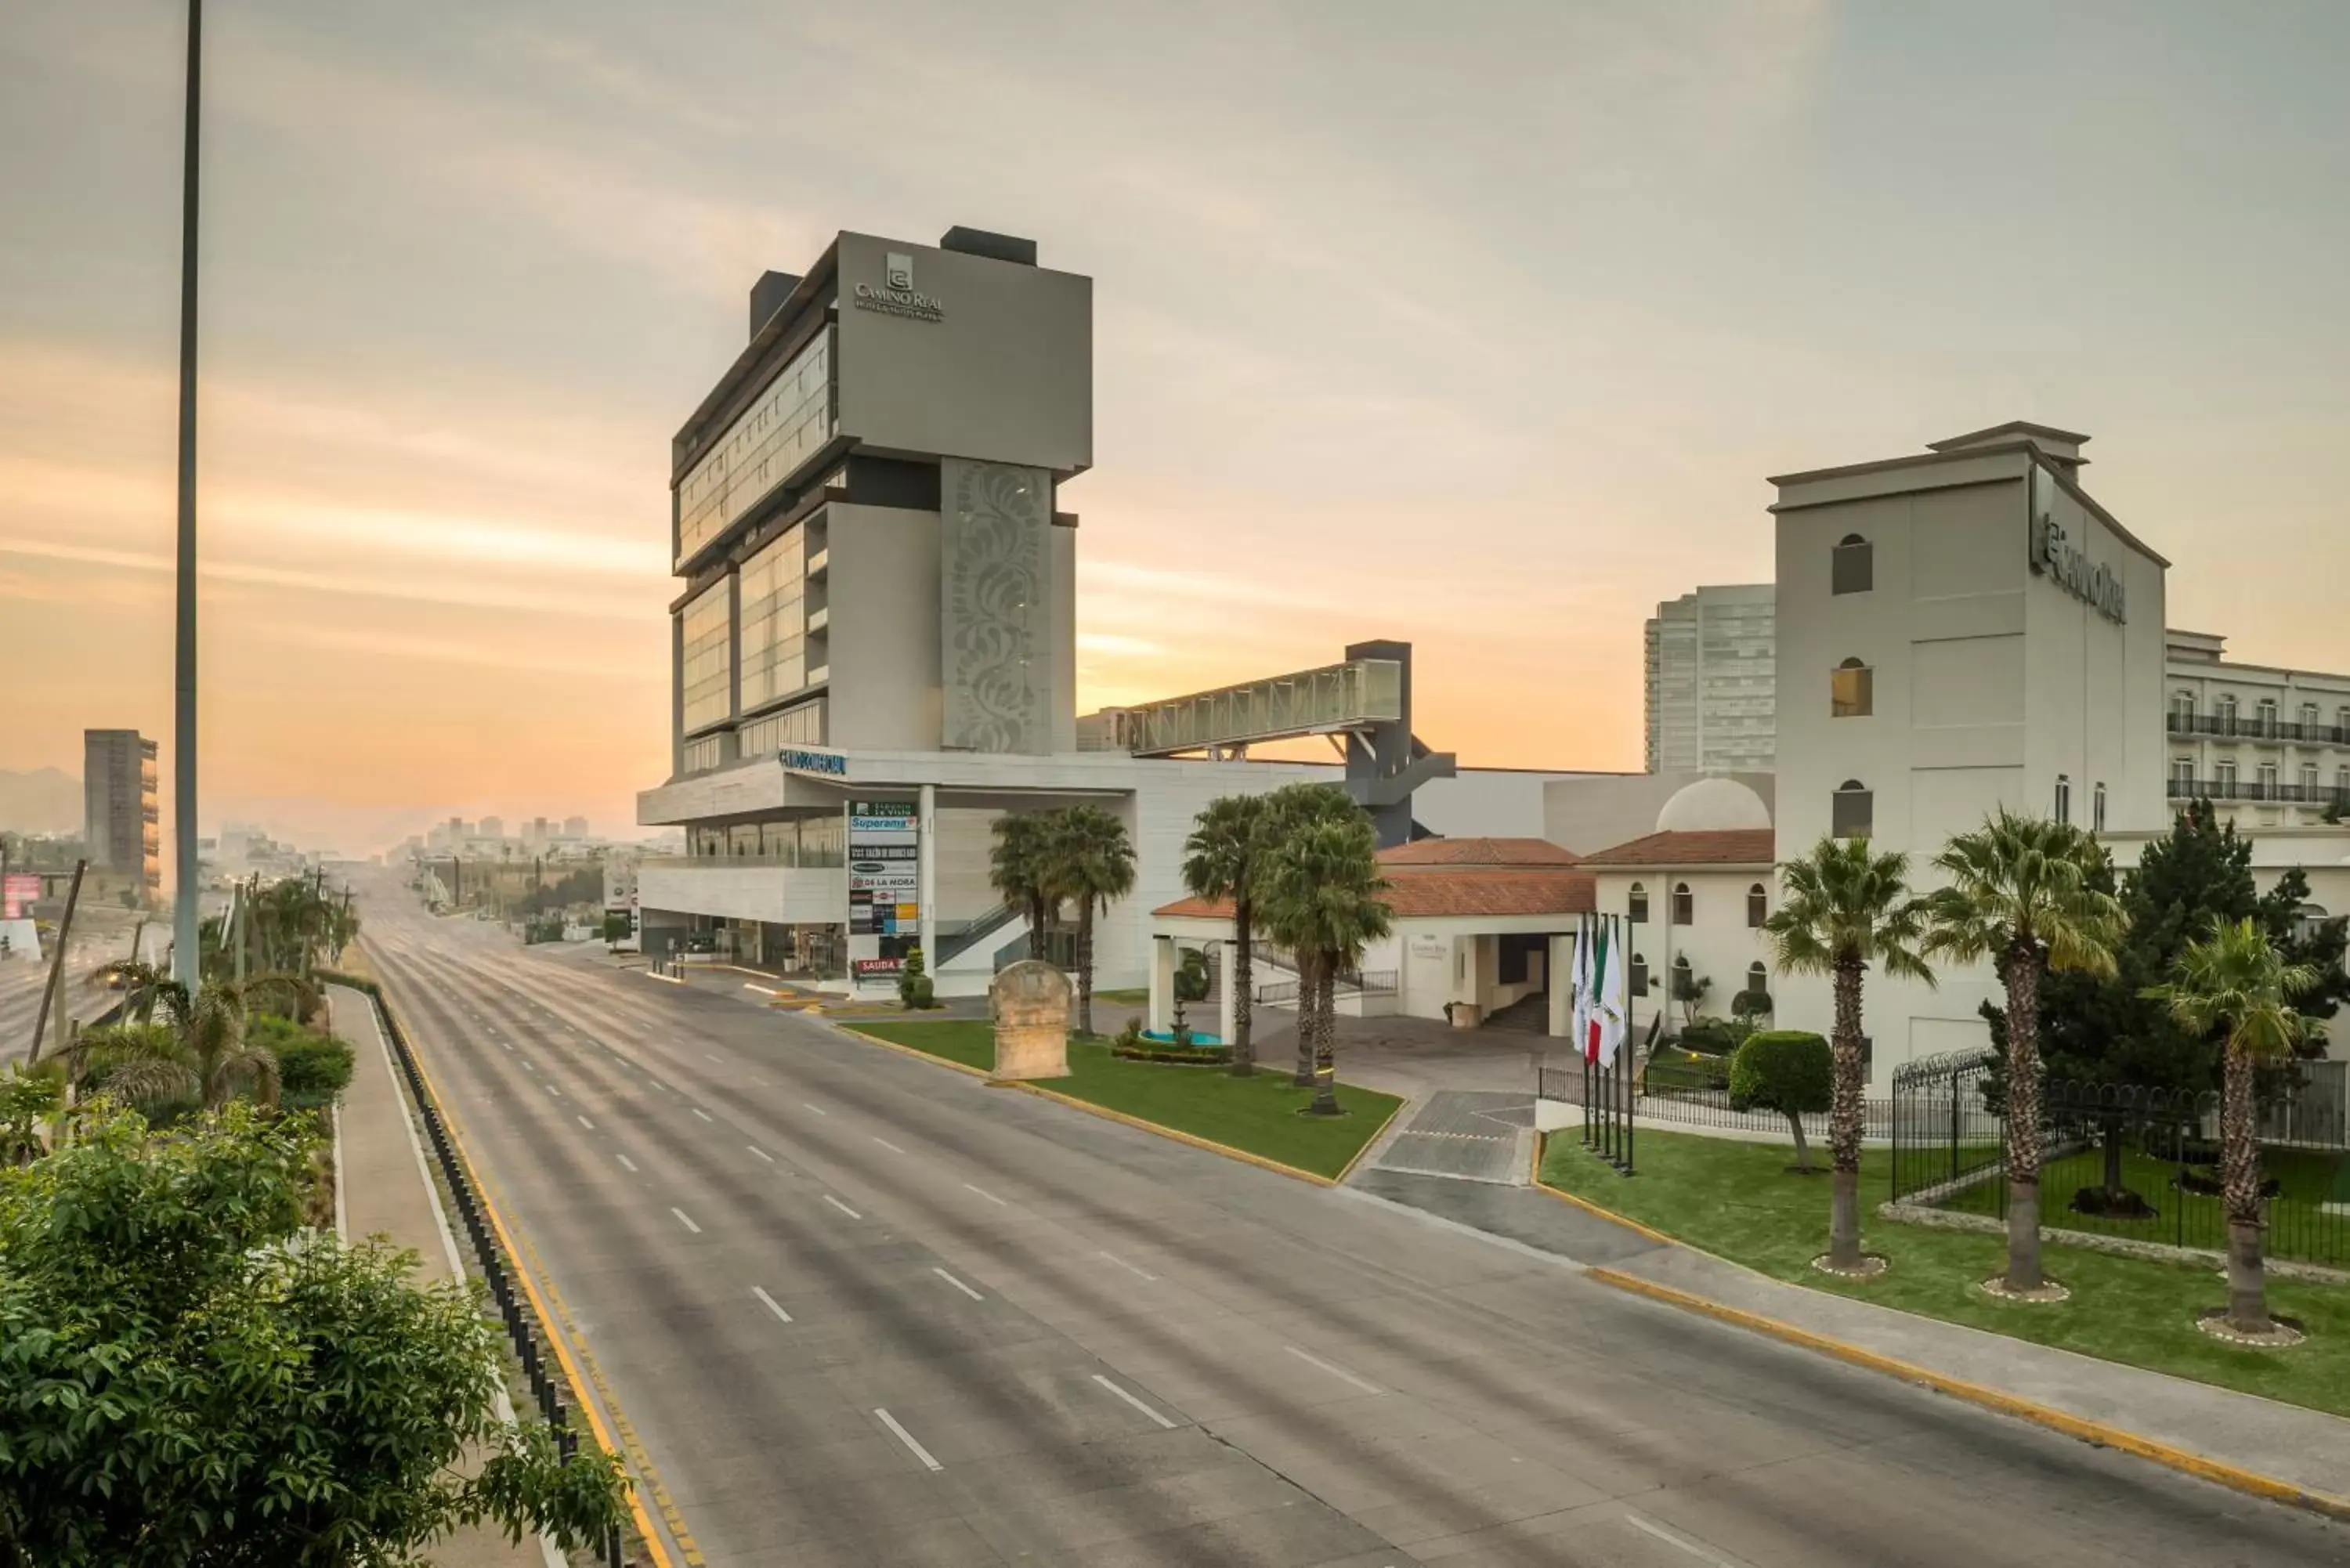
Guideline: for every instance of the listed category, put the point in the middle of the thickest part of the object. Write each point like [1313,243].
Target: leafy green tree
[1323,895]
[1019,867]
[188,1381]
[2025,893]
[26,1100]
[2233,982]
[1219,861]
[1792,1072]
[1091,862]
[1844,910]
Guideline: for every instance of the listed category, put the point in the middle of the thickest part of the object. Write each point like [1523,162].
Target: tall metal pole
[186,955]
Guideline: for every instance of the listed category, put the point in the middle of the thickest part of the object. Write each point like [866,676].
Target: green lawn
[1134,997]
[1737,1200]
[2306,1177]
[1259,1115]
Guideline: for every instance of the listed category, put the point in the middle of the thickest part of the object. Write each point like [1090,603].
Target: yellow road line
[634,1450]
[1210,1145]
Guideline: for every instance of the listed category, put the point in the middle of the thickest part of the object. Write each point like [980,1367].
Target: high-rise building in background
[574,827]
[493,827]
[121,824]
[1711,681]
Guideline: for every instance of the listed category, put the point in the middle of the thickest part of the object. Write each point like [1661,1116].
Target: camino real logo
[2097,586]
[895,294]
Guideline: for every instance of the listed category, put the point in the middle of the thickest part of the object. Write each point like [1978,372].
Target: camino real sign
[895,295]
[2093,582]
[885,868]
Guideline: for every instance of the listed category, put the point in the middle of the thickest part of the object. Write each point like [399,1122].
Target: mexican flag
[1614,1007]
[1595,990]
[1578,985]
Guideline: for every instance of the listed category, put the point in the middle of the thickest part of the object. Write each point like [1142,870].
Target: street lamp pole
[186,956]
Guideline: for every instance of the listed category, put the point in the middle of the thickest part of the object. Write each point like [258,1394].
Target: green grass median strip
[1737,1201]
[1258,1115]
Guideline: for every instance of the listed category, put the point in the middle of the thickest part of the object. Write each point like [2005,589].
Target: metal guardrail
[524,1329]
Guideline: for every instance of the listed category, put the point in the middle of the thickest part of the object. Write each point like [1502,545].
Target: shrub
[1751,1004]
[312,1067]
[1788,1070]
[1715,1036]
[915,989]
[1130,1037]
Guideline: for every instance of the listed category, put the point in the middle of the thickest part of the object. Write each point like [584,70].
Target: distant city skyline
[1496,383]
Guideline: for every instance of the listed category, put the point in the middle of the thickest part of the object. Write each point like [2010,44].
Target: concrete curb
[1194,1139]
[1534,1181]
[579,1392]
[2233,1477]
[2236,1478]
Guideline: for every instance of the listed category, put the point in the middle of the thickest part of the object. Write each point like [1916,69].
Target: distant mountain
[42,801]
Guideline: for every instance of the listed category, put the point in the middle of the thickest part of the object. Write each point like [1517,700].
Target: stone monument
[1030,1001]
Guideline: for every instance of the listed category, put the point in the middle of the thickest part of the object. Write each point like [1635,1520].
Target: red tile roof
[1494,852]
[1442,892]
[1720,847]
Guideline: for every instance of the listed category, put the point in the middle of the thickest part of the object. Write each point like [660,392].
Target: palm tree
[1845,909]
[2236,980]
[1220,859]
[1321,889]
[199,1052]
[143,985]
[1017,870]
[2021,894]
[1091,860]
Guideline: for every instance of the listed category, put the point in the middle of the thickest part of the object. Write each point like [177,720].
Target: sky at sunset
[1477,325]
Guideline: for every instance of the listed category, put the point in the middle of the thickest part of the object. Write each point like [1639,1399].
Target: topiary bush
[1789,1071]
[915,990]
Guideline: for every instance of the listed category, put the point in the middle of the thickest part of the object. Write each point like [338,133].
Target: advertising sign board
[18,893]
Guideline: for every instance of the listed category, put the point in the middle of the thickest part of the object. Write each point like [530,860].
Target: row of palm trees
[1300,866]
[2025,894]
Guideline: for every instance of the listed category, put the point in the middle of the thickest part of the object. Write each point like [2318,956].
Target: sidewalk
[2306,1449]
[384,1188]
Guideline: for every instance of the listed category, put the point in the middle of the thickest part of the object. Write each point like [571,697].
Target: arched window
[1636,907]
[1758,906]
[1757,977]
[1684,905]
[1640,976]
[2225,711]
[1851,810]
[2182,711]
[2265,715]
[1853,567]
[1684,976]
[2064,806]
[2097,810]
[1852,691]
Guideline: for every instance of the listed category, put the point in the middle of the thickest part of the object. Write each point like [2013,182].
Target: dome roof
[1711,806]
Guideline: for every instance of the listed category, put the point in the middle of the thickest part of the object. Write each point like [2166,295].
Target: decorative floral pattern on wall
[994,582]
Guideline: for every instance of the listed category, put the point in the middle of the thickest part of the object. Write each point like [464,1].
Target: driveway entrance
[1467,1134]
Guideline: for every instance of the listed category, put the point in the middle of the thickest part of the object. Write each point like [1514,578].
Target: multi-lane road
[859,1309]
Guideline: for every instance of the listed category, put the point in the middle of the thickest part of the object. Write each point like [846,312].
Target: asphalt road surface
[862,1310]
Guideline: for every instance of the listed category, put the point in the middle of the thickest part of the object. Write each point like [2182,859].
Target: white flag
[1579,983]
[1614,1005]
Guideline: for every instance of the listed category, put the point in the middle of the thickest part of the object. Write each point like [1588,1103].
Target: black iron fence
[2122,1159]
[1675,1089]
[524,1331]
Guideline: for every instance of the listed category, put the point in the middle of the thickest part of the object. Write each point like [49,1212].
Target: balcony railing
[2254,729]
[2256,789]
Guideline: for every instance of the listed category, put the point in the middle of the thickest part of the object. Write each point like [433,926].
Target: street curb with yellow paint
[2233,1477]
[1194,1139]
[579,1393]
[2237,1479]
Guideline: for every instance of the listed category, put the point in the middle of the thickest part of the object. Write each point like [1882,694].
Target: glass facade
[800,726]
[762,448]
[1712,680]
[775,622]
[708,659]
[818,841]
